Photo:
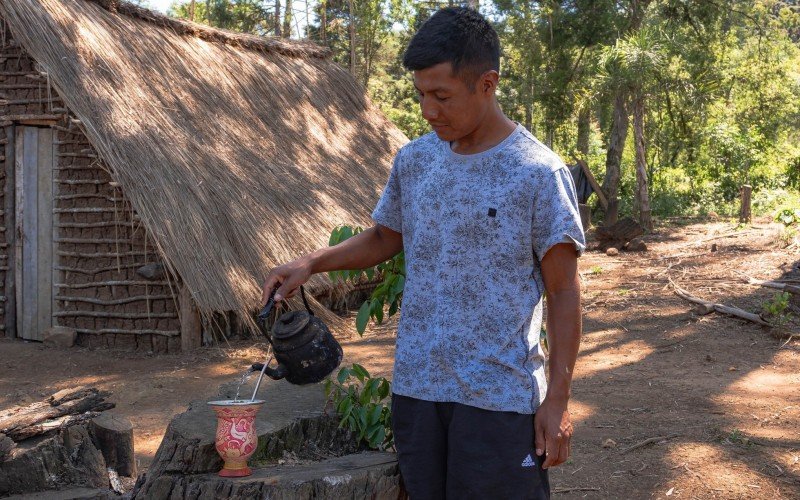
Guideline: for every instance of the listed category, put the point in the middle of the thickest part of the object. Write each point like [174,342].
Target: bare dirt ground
[718,398]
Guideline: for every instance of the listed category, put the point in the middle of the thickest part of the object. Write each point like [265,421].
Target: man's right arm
[366,249]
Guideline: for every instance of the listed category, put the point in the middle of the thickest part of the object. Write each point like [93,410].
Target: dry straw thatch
[238,152]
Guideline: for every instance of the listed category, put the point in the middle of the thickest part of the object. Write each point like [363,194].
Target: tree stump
[745,193]
[370,474]
[64,459]
[618,234]
[114,437]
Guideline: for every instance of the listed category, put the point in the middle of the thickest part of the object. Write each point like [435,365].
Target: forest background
[674,104]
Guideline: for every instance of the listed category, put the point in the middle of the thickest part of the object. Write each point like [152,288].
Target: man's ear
[488,82]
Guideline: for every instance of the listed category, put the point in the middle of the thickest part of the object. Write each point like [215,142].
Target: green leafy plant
[597,270]
[775,310]
[388,293]
[361,401]
[788,216]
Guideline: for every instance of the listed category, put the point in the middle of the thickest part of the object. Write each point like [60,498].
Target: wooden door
[35,157]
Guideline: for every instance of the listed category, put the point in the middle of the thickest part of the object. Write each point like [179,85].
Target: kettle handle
[264,314]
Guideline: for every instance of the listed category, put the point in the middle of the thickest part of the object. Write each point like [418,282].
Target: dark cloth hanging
[583,188]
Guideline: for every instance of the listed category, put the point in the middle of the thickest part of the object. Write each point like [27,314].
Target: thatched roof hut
[237,152]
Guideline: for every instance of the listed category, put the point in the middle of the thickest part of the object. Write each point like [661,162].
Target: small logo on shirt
[492,212]
[528,462]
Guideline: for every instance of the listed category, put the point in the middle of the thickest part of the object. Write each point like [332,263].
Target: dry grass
[238,153]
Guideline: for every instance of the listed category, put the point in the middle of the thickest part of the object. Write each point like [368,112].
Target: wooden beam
[597,189]
[10,307]
[191,326]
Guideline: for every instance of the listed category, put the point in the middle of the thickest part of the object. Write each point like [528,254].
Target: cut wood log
[22,422]
[618,234]
[114,437]
[51,425]
[720,308]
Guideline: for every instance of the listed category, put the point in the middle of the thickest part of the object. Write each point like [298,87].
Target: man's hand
[366,249]
[289,276]
[552,424]
[553,430]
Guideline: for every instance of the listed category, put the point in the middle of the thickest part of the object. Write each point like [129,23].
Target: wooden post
[586,215]
[191,326]
[744,211]
[114,436]
[11,232]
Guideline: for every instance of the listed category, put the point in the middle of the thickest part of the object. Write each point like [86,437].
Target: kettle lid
[290,324]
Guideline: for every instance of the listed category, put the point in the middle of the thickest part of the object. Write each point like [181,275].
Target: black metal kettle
[303,345]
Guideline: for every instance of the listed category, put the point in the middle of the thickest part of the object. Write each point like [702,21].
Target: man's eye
[443,98]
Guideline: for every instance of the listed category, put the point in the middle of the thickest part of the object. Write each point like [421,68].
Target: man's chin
[445,134]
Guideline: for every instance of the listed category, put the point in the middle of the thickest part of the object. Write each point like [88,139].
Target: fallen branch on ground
[567,490]
[777,285]
[647,441]
[720,308]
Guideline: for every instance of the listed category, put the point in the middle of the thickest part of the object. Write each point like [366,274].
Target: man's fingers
[269,284]
[286,290]
[563,450]
[538,437]
[552,446]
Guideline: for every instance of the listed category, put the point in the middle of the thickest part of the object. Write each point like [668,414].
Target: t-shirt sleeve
[555,214]
[388,211]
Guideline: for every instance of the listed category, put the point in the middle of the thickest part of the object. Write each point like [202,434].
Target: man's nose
[429,109]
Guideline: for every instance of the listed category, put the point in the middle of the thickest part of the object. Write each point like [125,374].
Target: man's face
[447,103]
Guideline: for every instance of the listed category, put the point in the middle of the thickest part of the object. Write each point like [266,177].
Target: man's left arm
[553,427]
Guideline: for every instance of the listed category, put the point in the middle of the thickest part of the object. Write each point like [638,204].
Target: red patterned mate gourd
[236,439]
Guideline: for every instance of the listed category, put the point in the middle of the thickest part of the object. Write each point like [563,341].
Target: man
[488,220]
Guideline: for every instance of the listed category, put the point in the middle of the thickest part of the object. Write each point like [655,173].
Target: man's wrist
[558,396]
[311,262]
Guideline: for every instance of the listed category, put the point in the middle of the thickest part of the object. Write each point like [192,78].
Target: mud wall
[98,240]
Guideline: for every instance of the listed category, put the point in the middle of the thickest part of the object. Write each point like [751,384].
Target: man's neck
[491,132]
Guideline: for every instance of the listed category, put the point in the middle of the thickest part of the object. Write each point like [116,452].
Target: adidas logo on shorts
[528,462]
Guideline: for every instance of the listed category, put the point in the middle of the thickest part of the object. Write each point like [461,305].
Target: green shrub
[361,403]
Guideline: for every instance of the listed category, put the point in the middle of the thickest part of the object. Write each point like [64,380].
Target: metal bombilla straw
[261,376]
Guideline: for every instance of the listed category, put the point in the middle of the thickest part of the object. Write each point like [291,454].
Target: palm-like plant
[630,68]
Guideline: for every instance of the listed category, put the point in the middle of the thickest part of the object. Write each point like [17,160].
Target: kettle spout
[273,373]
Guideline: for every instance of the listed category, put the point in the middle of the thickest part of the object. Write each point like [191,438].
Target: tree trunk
[616,145]
[642,198]
[287,19]
[744,203]
[191,10]
[352,39]
[278,18]
[324,22]
[584,128]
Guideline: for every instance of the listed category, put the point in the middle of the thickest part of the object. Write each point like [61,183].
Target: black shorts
[455,451]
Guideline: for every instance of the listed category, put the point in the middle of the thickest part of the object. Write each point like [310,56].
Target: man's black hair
[457,35]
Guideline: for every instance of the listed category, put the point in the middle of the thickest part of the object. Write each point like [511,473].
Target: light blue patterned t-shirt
[475,229]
